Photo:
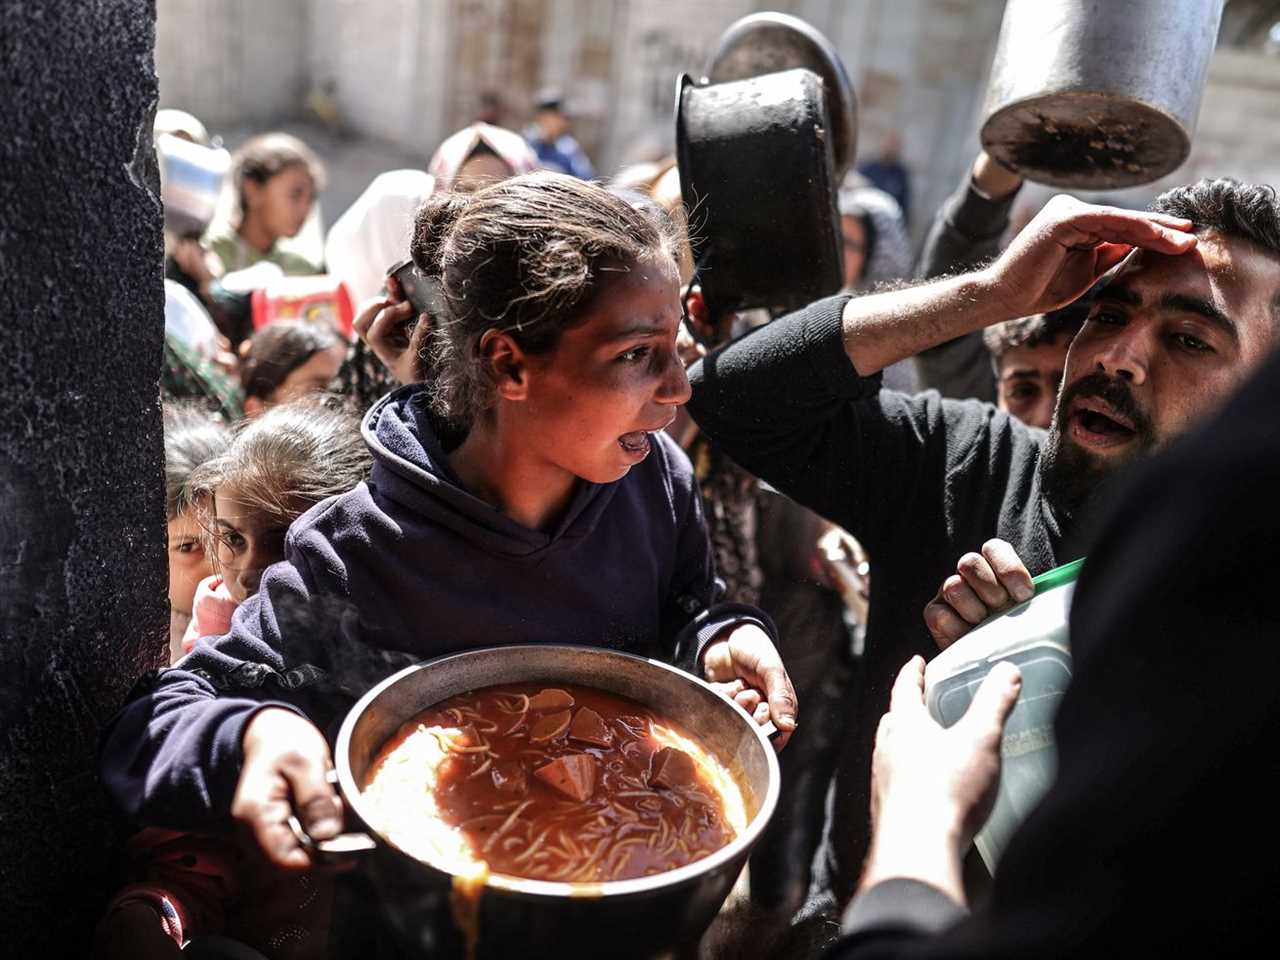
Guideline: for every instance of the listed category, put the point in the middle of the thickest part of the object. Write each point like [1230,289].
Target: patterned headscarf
[457,149]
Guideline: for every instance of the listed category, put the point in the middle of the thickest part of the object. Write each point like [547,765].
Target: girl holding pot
[526,494]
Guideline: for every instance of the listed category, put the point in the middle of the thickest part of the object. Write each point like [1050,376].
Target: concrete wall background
[409,72]
[234,61]
[82,550]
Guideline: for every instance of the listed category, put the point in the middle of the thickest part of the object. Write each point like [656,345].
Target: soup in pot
[564,783]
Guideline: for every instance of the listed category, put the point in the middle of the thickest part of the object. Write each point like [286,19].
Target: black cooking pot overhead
[760,159]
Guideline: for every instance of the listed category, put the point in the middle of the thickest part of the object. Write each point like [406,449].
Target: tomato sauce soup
[564,783]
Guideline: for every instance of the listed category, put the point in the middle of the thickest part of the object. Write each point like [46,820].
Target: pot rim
[547,888]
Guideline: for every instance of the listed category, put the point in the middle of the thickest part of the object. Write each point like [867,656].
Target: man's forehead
[1043,360]
[1235,275]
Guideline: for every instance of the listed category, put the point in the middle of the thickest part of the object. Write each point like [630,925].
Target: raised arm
[1061,253]
[798,402]
[965,234]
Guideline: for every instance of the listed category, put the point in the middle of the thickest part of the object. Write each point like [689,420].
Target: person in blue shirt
[888,172]
[551,140]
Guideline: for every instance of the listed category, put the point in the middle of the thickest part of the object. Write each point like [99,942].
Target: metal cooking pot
[649,917]
[757,174]
[771,42]
[1098,95]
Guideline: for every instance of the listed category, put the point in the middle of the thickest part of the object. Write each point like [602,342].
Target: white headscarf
[375,231]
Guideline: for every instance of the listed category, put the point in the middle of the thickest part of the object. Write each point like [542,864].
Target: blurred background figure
[374,232]
[480,155]
[550,137]
[179,123]
[966,231]
[491,108]
[888,172]
[288,360]
[276,177]
[877,250]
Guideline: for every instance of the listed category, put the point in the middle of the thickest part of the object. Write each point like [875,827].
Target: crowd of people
[552,441]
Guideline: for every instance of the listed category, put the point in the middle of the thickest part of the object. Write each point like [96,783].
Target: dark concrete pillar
[82,565]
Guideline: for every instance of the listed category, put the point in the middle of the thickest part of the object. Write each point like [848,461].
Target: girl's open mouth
[636,444]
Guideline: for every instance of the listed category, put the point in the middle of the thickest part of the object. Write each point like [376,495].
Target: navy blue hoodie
[407,567]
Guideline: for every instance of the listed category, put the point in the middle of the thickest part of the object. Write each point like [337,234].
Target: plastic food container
[319,299]
[1032,635]
[191,178]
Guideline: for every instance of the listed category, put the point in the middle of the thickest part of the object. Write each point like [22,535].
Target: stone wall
[82,555]
[414,72]
[233,62]
[409,72]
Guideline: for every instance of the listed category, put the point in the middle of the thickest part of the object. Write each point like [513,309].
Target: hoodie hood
[411,468]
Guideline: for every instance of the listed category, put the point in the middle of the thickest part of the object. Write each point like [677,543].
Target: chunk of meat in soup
[574,775]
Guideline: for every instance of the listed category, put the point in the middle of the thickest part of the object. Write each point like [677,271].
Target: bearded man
[1192,306]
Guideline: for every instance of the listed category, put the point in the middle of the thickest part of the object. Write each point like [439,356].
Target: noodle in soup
[565,783]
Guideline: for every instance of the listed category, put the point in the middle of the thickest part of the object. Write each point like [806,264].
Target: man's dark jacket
[918,480]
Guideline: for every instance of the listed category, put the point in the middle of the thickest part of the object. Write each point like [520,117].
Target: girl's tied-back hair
[526,256]
[260,158]
[286,461]
[277,350]
[192,437]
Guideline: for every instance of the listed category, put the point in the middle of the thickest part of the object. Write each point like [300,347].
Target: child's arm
[174,756]
[723,642]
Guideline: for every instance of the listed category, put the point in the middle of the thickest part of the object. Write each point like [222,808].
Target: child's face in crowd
[480,171]
[313,376]
[282,204]
[248,540]
[1029,381]
[188,563]
[591,403]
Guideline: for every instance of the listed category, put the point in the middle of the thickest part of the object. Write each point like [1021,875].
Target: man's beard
[1070,475]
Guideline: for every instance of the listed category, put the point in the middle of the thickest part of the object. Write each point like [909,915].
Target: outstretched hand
[933,788]
[745,666]
[984,583]
[1069,245]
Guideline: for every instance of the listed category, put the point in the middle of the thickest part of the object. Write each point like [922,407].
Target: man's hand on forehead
[1070,245]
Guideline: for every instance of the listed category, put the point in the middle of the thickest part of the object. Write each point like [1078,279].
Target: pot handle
[345,846]
[342,848]
[769,730]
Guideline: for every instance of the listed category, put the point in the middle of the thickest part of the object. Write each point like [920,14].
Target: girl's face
[188,563]
[591,404]
[282,204]
[313,376]
[248,541]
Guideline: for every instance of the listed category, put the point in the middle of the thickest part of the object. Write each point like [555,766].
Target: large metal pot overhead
[648,917]
[1098,94]
[772,42]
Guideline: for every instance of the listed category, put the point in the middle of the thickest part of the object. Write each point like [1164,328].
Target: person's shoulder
[224,242]
[333,518]
[293,264]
